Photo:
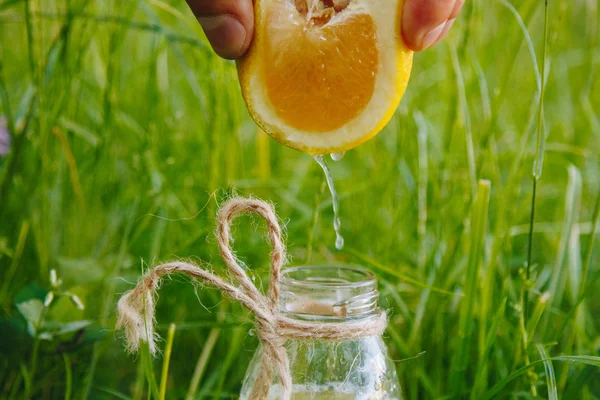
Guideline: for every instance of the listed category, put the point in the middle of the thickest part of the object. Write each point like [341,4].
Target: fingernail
[436,33]
[225,33]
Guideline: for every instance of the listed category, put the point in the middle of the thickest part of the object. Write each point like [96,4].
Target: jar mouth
[329,292]
[334,276]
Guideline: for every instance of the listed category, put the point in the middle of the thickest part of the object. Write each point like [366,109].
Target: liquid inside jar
[332,391]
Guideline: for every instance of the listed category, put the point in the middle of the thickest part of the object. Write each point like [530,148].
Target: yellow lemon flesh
[324,76]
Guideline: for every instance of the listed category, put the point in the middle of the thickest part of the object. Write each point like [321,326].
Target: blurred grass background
[126,132]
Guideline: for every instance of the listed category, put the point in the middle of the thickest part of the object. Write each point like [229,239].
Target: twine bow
[136,307]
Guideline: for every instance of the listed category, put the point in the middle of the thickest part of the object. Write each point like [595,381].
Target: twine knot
[136,307]
[267,332]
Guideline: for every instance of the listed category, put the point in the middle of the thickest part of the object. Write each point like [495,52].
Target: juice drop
[337,224]
[337,156]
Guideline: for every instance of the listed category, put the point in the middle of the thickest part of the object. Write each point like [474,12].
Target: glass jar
[357,369]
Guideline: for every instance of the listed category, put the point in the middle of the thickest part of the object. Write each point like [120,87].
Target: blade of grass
[422,188]
[166,360]
[68,376]
[537,314]
[484,92]
[572,206]
[590,246]
[576,312]
[26,377]
[112,392]
[414,338]
[228,360]
[527,36]
[5,102]
[541,134]
[16,259]
[139,383]
[550,377]
[30,40]
[202,362]
[537,166]
[72,164]
[146,355]
[497,388]
[464,107]
[574,256]
[523,351]
[479,218]
[146,359]
[481,378]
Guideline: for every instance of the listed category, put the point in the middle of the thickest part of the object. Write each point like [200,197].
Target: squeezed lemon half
[323,76]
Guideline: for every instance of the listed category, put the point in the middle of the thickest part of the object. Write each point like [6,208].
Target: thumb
[228,24]
[426,22]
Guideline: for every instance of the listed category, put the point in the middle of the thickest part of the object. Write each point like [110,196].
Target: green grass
[127,132]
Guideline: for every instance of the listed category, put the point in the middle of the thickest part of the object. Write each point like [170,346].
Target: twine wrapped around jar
[136,307]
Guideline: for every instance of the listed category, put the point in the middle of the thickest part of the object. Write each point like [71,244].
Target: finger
[228,24]
[426,22]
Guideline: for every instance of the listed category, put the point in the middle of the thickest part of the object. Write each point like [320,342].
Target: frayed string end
[136,314]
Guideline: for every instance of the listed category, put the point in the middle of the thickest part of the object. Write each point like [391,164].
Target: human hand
[229,24]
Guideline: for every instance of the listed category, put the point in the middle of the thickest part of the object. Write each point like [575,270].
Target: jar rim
[329,292]
[319,279]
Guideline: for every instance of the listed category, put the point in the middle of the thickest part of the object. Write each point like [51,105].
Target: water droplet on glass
[339,240]
[337,156]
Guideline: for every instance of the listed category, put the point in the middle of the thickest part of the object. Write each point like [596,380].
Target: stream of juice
[337,225]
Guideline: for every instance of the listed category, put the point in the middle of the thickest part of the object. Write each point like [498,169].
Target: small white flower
[53,278]
[545,297]
[77,301]
[48,299]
